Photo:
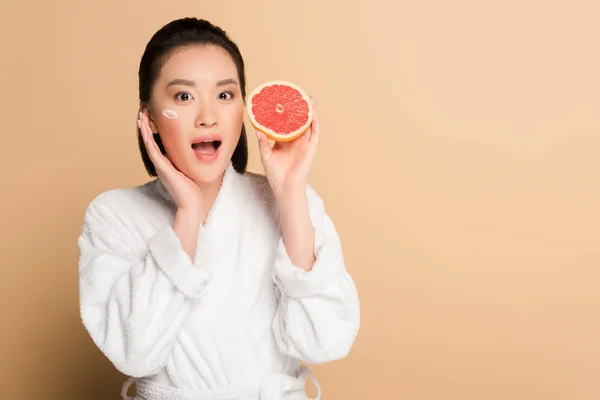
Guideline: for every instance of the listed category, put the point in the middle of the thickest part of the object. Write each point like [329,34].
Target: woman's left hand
[287,164]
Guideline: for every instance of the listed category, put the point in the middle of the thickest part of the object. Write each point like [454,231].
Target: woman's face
[200,84]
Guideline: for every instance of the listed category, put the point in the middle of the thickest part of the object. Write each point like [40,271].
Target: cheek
[235,117]
[173,134]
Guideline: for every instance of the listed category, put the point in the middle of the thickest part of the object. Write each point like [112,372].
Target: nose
[207,116]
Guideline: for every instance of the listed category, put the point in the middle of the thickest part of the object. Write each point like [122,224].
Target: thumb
[264,146]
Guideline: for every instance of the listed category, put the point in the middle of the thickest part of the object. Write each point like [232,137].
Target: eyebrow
[186,82]
[183,82]
[226,82]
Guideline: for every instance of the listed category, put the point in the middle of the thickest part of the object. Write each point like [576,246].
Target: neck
[209,195]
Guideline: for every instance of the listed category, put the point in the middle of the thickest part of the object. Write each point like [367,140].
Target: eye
[226,96]
[183,96]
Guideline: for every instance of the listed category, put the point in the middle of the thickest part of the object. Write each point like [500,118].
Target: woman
[211,281]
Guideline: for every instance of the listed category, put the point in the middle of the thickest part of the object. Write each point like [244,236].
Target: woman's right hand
[182,188]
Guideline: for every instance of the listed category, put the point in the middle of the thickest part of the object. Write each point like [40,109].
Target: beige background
[459,160]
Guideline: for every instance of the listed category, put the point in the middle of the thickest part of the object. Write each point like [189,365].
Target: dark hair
[170,38]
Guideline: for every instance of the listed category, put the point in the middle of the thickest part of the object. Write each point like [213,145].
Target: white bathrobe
[233,324]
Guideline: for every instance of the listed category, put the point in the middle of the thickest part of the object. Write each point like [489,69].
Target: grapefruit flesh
[280,109]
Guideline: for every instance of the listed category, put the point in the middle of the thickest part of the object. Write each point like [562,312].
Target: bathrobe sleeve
[318,312]
[135,293]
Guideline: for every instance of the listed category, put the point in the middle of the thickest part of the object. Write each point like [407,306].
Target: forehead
[199,63]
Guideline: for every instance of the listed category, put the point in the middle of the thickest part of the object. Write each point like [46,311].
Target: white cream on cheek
[169,114]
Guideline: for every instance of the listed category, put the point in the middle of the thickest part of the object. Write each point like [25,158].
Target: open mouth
[207,147]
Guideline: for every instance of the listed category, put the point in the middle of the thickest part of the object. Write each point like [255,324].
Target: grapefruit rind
[269,132]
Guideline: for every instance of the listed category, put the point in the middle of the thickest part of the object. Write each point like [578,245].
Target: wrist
[188,213]
[187,227]
[290,193]
[292,206]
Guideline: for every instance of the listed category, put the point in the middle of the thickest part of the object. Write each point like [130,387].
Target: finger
[302,139]
[143,133]
[264,146]
[161,163]
[306,135]
[316,129]
[152,148]
[146,137]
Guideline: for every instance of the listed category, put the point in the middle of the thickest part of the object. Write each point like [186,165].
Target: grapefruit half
[280,109]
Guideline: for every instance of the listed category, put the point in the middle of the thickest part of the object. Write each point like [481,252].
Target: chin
[207,174]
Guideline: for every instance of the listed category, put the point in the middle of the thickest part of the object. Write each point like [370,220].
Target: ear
[153,126]
[151,122]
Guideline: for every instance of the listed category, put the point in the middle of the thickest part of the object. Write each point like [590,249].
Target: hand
[183,189]
[287,164]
